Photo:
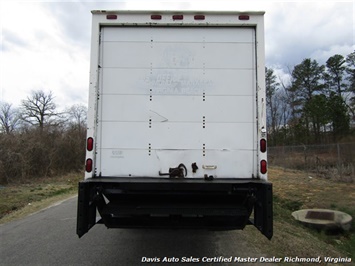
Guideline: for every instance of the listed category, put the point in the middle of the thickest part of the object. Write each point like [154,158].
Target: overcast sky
[45,44]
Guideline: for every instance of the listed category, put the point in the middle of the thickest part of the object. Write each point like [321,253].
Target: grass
[294,190]
[17,200]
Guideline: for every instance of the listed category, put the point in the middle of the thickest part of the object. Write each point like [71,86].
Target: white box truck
[176,133]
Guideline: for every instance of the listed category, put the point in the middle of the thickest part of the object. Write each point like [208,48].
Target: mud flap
[86,217]
[263,210]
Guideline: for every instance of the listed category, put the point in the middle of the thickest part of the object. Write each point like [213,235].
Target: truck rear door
[177,95]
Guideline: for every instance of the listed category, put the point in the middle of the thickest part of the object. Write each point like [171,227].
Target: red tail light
[90,144]
[263,167]
[263,145]
[88,165]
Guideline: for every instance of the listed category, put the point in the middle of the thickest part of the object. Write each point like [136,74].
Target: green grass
[16,196]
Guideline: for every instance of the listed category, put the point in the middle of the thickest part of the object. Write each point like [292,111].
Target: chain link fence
[336,161]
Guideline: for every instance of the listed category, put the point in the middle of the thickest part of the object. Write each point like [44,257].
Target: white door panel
[177,95]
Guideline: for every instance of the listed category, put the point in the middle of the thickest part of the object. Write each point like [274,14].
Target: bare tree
[286,97]
[39,109]
[272,87]
[9,118]
[77,117]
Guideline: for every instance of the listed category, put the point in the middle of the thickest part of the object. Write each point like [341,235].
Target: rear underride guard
[225,204]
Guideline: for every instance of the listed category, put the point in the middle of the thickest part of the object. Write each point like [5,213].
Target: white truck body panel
[177,92]
[176,132]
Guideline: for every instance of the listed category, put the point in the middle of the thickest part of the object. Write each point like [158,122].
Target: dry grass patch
[312,191]
[18,200]
[294,190]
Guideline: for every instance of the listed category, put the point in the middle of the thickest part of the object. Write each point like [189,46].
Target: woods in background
[316,104]
[37,140]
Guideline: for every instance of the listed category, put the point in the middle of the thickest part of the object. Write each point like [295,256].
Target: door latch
[180,171]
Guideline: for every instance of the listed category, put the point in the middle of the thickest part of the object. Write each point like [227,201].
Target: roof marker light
[111,16]
[178,17]
[156,17]
[199,17]
[244,17]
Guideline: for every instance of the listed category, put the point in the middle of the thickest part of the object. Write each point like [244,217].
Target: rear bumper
[175,203]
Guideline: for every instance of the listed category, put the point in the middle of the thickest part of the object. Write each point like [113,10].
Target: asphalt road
[49,238]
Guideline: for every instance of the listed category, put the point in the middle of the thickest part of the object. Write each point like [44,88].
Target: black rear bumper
[175,203]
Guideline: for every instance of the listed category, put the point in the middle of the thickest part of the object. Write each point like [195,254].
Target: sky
[45,45]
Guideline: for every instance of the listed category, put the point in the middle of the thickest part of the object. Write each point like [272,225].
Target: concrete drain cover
[329,216]
[323,218]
